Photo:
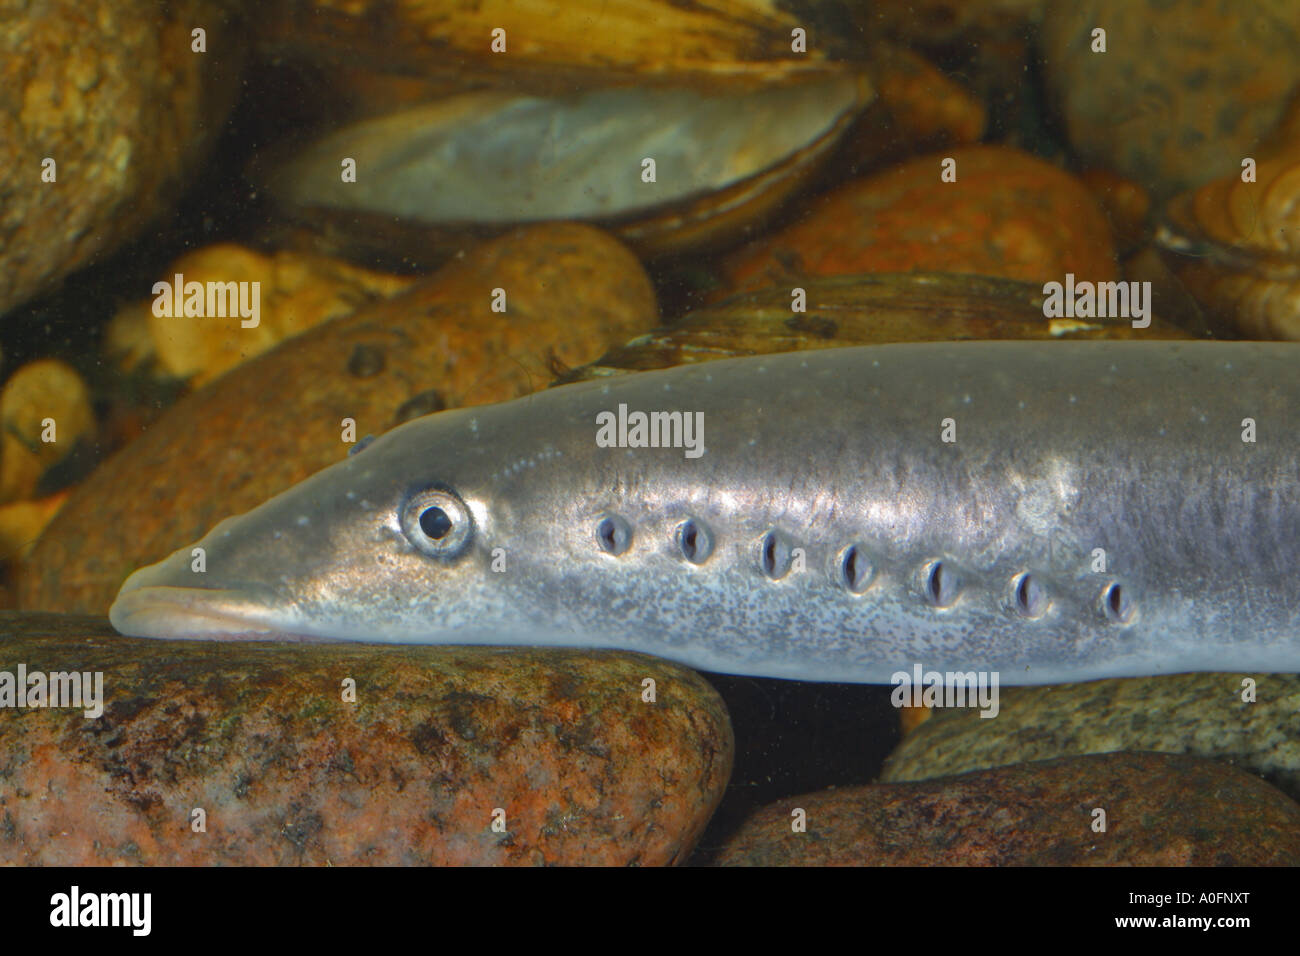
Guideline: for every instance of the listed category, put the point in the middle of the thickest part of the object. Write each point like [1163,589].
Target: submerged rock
[21,523]
[917,108]
[45,410]
[1157,810]
[1183,90]
[1199,714]
[568,293]
[295,292]
[1008,214]
[113,95]
[252,754]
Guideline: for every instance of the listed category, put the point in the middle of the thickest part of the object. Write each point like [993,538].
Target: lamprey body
[1048,511]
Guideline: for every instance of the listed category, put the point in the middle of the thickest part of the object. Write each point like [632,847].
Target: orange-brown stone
[1007,214]
[559,746]
[1159,810]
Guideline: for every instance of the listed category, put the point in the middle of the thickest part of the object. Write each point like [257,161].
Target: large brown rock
[1158,811]
[113,93]
[570,292]
[1184,90]
[560,745]
[1008,214]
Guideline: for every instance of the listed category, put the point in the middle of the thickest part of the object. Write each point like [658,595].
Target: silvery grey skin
[826,533]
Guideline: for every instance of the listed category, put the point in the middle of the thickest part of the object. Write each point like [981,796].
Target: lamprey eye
[437,522]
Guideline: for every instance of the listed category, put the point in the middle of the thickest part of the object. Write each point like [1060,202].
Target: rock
[570,292]
[1199,714]
[112,93]
[910,717]
[288,772]
[127,342]
[1183,91]
[1008,214]
[918,107]
[21,523]
[44,411]
[295,292]
[984,42]
[1125,203]
[1159,810]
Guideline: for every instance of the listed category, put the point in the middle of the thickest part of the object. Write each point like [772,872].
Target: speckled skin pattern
[1061,449]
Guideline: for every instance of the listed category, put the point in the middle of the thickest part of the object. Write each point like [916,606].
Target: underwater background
[443,204]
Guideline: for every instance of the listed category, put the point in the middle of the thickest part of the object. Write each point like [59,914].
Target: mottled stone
[986,43]
[570,292]
[21,524]
[44,411]
[260,737]
[1199,714]
[296,291]
[112,92]
[918,107]
[1008,214]
[1159,811]
[1184,90]
[1125,203]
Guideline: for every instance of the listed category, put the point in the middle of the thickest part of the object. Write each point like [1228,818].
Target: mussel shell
[866,309]
[488,160]
[1259,218]
[1236,246]
[553,45]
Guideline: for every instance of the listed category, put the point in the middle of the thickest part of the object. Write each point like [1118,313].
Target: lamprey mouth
[197,613]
